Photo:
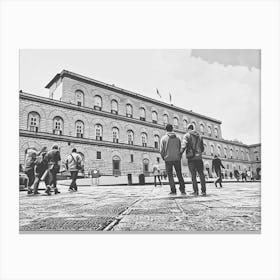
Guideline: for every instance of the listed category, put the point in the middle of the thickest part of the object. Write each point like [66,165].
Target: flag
[158,93]
[170,98]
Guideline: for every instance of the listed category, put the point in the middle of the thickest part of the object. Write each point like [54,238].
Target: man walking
[74,164]
[170,145]
[193,144]
[53,160]
[216,166]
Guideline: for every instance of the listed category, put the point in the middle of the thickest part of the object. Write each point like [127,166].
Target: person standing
[73,164]
[216,166]
[170,145]
[193,144]
[53,159]
[156,172]
[29,168]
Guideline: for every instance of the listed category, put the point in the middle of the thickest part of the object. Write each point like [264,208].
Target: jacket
[193,140]
[30,160]
[170,145]
[53,158]
[72,160]
[217,164]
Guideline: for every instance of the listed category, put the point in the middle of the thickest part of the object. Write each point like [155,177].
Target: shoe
[48,191]
[203,194]
[56,191]
[183,193]
[172,193]
[29,191]
[70,189]
[36,192]
[195,193]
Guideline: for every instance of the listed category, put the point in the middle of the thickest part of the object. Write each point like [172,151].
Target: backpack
[78,163]
[190,152]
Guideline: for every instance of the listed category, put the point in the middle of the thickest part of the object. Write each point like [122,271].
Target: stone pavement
[234,208]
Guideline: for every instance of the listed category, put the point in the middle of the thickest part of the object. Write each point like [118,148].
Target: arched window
[237,153]
[175,122]
[216,132]
[201,127]
[205,149]
[79,97]
[165,119]
[185,124]
[97,102]
[212,150]
[154,117]
[130,137]
[225,152]
[114,107]
[33,121]
[57,125]
[144,139]
[242,155]
[231,153]
[156,141]
[129,111]
[219,151]
[142,114]
[98,132]
[115,132]
[194,125]
[248,157]
[79,129]
[209,130]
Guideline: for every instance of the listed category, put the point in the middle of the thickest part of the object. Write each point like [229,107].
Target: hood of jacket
[171,134]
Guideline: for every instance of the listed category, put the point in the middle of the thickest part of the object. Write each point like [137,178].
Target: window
[175,122]
[131,158]
[115,131]
[248,157]
[231,153]
[242,155]
[156,141]
[57,125]
[205,149]
[98,132]
[257,158]
[212,150]
[79,129]
[225,152]
[79,98]
[114,107]
[165,119]
[219,151]
[201,128]
[209,130]
[98,155]
[129,110]
[237,156]
[142,114]
[158,160]
[227,166]
[216,132]
[97,102]
[33,122]
[130,137]
[144,139]
[154,117]
[185,124]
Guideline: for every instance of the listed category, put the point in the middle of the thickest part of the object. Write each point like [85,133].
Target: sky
[222,84]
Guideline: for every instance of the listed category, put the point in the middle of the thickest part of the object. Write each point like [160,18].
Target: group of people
[44,166]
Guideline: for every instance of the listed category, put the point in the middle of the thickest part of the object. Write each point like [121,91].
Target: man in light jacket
[170,146]
[74,164]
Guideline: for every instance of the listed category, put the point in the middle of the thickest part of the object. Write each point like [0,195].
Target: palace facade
[118,131]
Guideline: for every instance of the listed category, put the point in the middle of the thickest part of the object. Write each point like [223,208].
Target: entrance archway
[116,161]
[146,166]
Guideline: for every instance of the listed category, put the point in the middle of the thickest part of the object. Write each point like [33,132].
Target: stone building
[118,131]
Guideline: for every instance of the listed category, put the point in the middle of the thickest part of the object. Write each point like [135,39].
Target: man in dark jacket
[53,159]
[193,144]
[216,166]
[170,146]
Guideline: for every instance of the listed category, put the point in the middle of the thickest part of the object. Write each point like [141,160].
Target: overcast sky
[223,84]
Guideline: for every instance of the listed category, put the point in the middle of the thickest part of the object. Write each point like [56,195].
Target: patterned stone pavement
[234,208]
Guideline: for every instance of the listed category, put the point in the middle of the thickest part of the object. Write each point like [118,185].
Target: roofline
[66,73]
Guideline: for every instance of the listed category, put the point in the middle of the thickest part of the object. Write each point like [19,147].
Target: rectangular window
[156,145]
[131,158]
[158,159]
[142,118]
[98,155]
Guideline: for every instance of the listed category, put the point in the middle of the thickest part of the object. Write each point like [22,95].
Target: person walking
[29,168]
[156,172]
[53,159]
[193,144]
[170,145]
[216,166]
[41,170]
[74,164]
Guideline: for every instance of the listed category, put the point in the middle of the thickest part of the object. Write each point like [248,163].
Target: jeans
[74,175]
[155,179]
[169,170]
[52,177]
[37,180]
[219,175]
[197,166]
[31,176]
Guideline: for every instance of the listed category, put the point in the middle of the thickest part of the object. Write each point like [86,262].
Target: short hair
[190,127]
[169,127]
[55,147]
[74,150]
[215,156]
